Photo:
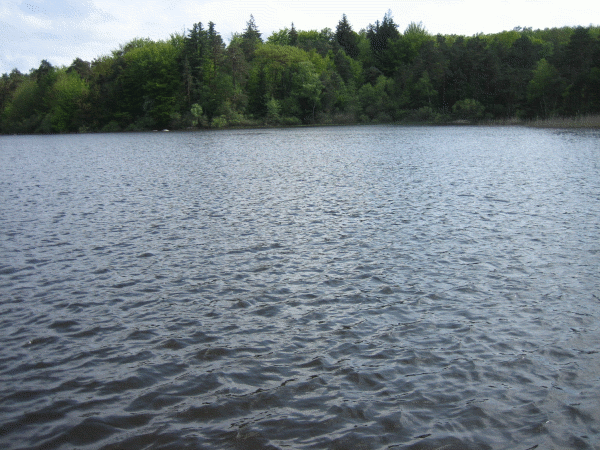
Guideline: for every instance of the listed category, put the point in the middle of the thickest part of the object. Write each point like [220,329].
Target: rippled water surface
[327,288]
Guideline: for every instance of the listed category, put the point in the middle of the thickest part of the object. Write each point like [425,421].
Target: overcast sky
[62,30]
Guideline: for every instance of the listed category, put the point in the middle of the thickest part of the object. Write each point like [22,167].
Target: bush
[45,126]
[382,117]
[344,118]
[468,109]
[290,121]
[423,114]
[143,124]
[176,121]
[111,127]
[219,122]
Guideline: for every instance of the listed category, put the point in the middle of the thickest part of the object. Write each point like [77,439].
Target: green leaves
[150,82]
[468,109]
[544,88]
[21,108]
[70,94]
[311,76]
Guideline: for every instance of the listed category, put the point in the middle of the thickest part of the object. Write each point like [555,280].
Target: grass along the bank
[589,121]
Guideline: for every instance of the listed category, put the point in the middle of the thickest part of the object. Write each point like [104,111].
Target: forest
[293,77]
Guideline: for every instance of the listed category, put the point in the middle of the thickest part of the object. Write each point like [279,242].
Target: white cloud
[36,22]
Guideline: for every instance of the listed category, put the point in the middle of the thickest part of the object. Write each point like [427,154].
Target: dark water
[331,288]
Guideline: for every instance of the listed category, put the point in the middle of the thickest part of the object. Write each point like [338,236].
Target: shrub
[111,127]
[468,109]
[219,122]
[291,121]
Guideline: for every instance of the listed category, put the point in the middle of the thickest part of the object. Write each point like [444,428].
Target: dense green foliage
[293,77]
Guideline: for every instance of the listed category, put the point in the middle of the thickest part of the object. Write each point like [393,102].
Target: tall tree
[307,88]
[250,38]
[19,114]
[69,95]
[544,89]
[576,63]
[517,66]
[8,85]
[45,76]
[216,48]
[293,35]
[196,52]
[380,35]
[346,37]
[151,85]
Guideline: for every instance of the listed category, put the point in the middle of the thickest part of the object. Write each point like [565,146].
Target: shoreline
[578,122]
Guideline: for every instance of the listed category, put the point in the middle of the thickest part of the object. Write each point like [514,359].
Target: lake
[370,287]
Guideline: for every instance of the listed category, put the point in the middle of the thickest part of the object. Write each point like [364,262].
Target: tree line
[293,77]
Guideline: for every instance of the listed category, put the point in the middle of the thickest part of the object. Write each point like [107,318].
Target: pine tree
[250,38]
[293,35]
[346,37]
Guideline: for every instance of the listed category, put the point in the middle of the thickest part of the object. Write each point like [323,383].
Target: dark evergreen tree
[214,80]
[216,49]
[195,53]
[346,37]
[250,39]
[380,35]
[293,35]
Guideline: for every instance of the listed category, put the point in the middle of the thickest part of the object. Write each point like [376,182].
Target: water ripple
[340,288]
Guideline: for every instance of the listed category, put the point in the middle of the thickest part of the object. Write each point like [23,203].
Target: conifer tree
[293,35]
[250,38]
[346,37]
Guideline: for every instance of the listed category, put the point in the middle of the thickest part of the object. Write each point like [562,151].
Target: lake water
[371,287]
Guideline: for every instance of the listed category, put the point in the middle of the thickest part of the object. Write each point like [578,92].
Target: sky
[62,30]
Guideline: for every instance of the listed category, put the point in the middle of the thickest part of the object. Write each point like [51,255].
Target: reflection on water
[355,287]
